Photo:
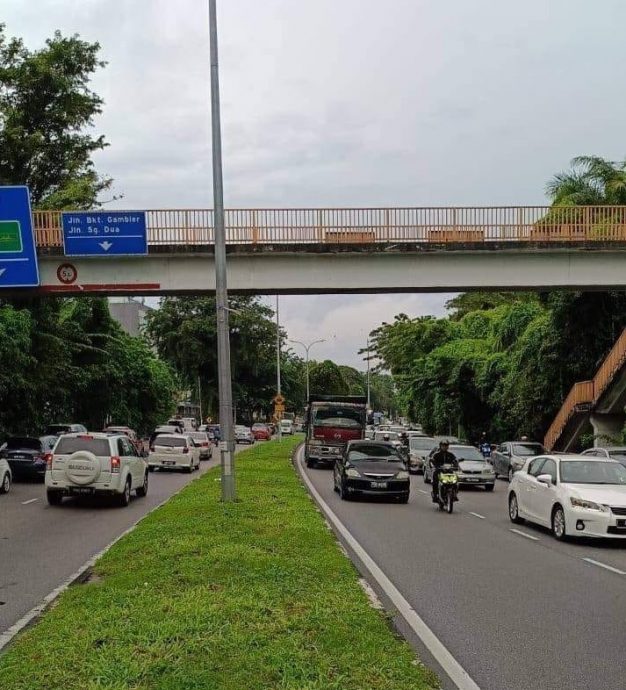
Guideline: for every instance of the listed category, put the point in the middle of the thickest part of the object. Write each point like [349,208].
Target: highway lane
[516,613]
[41,546]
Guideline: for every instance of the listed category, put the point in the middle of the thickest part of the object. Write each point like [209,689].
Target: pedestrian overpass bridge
[360,250]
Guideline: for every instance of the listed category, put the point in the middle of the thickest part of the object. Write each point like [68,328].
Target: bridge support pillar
[607,428]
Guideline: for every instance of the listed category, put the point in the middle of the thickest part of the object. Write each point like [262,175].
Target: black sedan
[26,455]
[372,468]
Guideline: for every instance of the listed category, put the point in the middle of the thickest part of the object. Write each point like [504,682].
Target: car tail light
[152,449]
[186,449]
[48,458]
[205,444]
[115,464]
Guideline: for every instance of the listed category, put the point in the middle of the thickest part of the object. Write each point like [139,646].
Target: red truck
[332,421]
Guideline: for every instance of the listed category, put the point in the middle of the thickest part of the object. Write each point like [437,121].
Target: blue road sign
[104,233]
[18,256]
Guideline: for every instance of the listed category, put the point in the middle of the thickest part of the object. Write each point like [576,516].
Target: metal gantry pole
[278,387]
[369,401]
[227,437]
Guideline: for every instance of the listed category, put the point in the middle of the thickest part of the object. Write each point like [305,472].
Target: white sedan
[572,495]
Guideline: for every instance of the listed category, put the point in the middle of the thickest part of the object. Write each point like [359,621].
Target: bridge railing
[587,393]
[373,225]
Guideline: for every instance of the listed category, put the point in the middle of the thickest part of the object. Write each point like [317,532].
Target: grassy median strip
[246,596]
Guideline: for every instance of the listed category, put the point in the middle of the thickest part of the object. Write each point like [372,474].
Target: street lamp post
[369,400]
[278,382]
[306,349]
[227,444]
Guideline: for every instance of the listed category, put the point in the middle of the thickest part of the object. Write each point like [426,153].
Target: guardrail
[372,225]
[587,392]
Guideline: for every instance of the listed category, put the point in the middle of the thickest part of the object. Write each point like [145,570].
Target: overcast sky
[348,103]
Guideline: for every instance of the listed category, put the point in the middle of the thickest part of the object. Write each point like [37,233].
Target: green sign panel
[10,236]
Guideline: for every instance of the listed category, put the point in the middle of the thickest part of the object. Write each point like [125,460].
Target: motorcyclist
[404,448]
[442,457]
[484,446]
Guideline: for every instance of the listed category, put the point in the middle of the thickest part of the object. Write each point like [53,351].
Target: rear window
[199,436]
[97,446]
[57,429]
[166,441]
[23,443]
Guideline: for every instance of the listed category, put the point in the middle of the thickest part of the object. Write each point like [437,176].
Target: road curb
[80,575]
[457,674]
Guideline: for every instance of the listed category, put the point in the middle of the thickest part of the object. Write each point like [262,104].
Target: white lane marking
[32,500]
[605,566]
[450,665]
[478,515]
[423,491]
[523,534]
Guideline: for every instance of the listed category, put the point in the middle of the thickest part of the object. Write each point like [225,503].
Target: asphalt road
[517,612]
[41,546]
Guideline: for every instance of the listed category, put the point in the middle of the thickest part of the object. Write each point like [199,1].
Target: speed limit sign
[67,274]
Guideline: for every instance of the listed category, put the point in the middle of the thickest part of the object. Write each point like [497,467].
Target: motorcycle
[485,449]
[447,492]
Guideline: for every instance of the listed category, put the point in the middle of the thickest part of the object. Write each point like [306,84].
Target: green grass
[204,595]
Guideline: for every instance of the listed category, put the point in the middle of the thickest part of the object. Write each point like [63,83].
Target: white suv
[174,451]
[95,463]
[5,476]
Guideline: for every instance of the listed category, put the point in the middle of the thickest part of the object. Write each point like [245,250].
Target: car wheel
[55,498]
[310,463]
[489,487]
[343,494]
[124,498]
[426,478]
[514,510]
[558,523]
[404,499]
[143,489]
[5,487]
[189,469]
[151,468]
[511,473]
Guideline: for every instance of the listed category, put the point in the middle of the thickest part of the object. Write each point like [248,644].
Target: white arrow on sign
[2,270]
[106,245]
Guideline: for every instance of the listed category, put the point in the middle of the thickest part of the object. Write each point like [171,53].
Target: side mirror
[545,479]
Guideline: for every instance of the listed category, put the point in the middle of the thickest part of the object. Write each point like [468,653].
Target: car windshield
[466,453]
[423,443]
[620,457]
[338,417]
[592,472]
[23,443]
[528,449]
[258,426]
[170,442]
[68,445]
[48,442]
[57,429]
[373,453]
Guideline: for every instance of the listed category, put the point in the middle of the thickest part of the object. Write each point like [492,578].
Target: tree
[46,111]
[592,181]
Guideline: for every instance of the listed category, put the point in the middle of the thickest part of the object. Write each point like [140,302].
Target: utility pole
[227,442]
[306,349]
[278,390]
[369,401]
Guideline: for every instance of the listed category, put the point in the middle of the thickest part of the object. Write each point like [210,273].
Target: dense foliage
[68,361]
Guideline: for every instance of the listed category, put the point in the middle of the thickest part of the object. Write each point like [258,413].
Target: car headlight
[351,472]
[587,505]
[402,474]
[487,470]
[315,442]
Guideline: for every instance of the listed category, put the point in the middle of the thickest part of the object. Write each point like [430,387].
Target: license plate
[621,523]
[82,490]
[169,462]
[20,457]
[379,485]
[471,479]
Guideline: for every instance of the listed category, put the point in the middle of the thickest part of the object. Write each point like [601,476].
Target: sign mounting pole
[227,444]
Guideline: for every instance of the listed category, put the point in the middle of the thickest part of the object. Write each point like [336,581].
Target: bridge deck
[473,226]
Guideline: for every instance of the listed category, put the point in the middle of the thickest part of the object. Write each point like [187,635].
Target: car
[371,468]
[174,452]
[131,433]
[474,470]
[419,449]
[614,452]
[202,442]
[58,429]
[573,495]
[26,455]
[509,457]
[176,421]
[6,476]
[261,432]
[95,464]
[243,434]
[286,427]
[165,429]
